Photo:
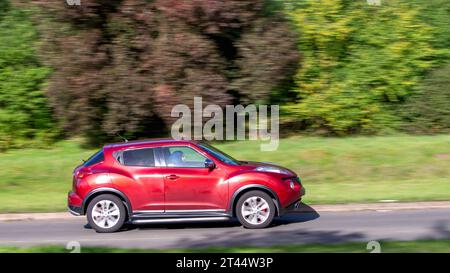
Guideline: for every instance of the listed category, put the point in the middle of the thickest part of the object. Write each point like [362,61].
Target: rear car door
[139,177]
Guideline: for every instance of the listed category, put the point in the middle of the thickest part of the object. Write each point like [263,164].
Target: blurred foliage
[436,13]
[4,7]
[428,111]
[360,62]
[121,66]
[24,114]
[336,67]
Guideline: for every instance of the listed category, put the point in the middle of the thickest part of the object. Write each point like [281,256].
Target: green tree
[428,111]
[359,63]
[436,13]
[120,66]
[24,114]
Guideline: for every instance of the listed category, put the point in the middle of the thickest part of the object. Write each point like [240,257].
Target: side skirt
[185,219]
[179,216]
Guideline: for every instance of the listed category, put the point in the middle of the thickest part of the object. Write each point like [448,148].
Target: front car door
[188,185]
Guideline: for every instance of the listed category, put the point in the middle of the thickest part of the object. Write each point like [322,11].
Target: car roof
[147,142]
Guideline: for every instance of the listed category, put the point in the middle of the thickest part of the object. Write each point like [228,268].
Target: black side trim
[178,215]
[176,220]
[106,191]
[256,187]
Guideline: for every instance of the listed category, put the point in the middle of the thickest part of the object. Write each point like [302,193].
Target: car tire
[255,209]
[106,213]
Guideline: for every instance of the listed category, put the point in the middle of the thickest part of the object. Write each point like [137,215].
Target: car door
[140,179]
[188,184]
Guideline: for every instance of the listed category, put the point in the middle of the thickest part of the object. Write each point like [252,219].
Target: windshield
[219,154]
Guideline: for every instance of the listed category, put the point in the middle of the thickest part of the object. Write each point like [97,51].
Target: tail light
[80,174]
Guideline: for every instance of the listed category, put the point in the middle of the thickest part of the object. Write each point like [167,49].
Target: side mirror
[209,164]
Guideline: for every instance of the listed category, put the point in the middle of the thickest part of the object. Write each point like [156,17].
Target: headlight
[271,169]
[292,184]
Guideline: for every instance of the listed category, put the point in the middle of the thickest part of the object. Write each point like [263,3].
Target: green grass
[34,180]
[334,170]
[362,169]
[425,246]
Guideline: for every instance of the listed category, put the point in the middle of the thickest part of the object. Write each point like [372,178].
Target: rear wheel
[106,213]
[255,209]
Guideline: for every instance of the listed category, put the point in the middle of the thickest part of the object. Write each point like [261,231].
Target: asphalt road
[305,227]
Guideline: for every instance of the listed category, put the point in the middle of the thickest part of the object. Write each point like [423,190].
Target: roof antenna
[124,139]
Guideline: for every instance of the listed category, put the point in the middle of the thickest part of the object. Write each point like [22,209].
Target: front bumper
[294,205]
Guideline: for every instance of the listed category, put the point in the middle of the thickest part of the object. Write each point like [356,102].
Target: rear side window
[139,157]
[96,158]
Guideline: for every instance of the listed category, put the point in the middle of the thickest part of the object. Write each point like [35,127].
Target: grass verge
[334,170]
[425,246]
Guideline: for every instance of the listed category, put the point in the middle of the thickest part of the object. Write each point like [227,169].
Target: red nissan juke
[156,181]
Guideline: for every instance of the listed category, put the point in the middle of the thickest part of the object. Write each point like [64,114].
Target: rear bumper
[77,211]
[74,203]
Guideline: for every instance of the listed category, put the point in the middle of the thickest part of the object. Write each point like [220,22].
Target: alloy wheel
[105,214]
[255,210]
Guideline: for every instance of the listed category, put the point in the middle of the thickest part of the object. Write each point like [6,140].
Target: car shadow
[303,213]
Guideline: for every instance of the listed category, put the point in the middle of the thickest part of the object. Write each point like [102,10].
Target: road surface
[295,228]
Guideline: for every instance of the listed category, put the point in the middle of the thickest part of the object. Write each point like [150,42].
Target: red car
[170,181]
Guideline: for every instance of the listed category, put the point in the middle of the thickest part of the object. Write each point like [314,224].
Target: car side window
[138,158]
[183,157]
[96,158]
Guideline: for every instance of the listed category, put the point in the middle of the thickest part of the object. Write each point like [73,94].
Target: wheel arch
[99,191]
[242,190]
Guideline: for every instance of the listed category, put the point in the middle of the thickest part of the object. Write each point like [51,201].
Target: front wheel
[255,209]
[106,213]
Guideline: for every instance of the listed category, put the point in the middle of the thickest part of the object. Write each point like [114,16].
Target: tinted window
[138,157]
[183,157]
[96,158]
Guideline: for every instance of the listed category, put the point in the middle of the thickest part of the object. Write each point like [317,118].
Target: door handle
[172,177]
